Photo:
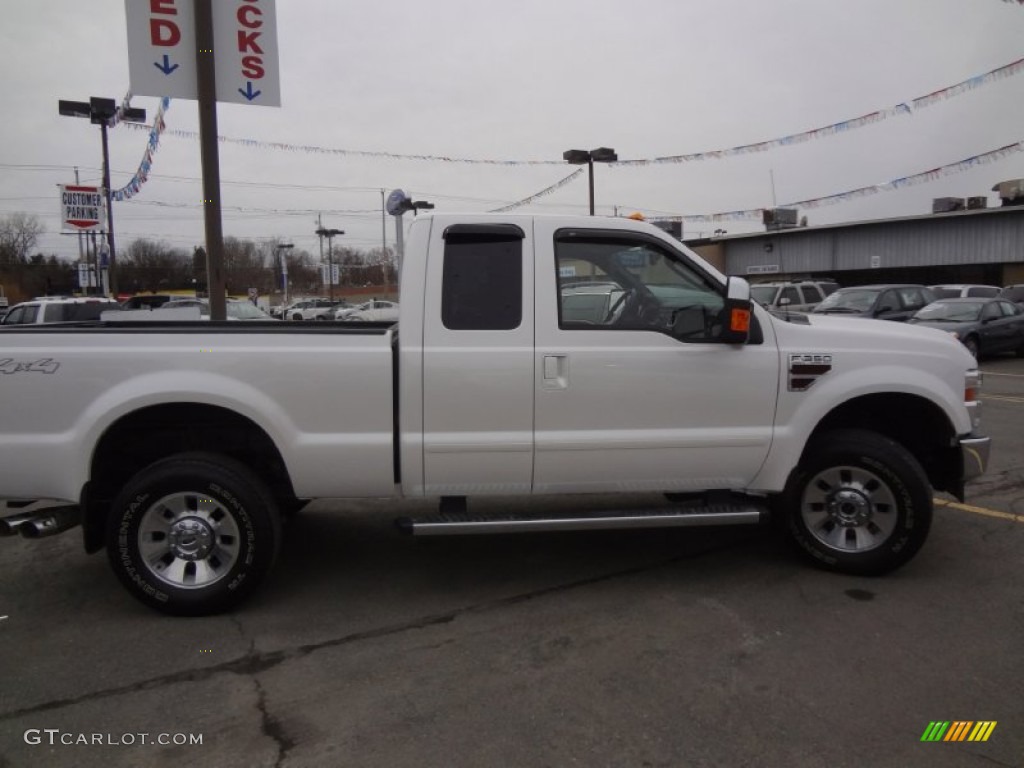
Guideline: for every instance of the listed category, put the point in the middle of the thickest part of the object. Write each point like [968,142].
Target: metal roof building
[969,246]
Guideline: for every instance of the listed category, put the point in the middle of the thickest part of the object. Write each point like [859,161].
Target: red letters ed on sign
[163,31]
[250,16]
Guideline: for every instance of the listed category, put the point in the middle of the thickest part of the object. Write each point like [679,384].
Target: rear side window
[482,288]
[53,313]
[811,294]
[983,291]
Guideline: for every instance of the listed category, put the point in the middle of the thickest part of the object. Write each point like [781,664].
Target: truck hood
[838,332]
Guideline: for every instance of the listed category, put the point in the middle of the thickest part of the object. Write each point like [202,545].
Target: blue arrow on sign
[249,93]
[166,67]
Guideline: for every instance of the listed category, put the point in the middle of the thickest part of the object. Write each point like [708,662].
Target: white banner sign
[162,50]
[81,208]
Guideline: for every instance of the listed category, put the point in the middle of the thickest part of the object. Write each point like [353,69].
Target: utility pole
[210,156]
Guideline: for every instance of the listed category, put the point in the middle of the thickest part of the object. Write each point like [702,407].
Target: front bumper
[974,454]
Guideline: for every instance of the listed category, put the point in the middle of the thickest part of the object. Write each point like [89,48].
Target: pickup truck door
[478,360]
[631,393]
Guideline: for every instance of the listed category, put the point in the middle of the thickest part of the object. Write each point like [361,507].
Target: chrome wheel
[849,509]
[188,540]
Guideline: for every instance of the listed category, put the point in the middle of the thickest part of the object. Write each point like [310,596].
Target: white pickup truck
[534,355]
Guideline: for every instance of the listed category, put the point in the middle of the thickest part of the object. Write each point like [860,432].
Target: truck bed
[322,392]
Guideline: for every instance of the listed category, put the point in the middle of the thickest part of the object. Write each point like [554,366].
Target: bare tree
[147,265]
[19,233]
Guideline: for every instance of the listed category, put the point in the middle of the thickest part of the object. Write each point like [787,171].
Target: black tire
[209,527]
[859,503]
[971,343]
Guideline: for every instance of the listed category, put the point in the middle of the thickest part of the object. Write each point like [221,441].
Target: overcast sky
[525,81]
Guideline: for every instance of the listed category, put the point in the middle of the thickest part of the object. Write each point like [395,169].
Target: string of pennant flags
[543,193]
[901,109]
[874,189]
[134,185]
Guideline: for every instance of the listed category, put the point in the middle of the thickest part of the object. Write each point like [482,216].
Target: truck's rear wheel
[859,503]
[193,534]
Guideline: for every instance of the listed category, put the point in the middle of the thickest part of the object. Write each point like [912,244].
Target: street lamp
[281,247]
[100,112]
[330,235]
[588,158]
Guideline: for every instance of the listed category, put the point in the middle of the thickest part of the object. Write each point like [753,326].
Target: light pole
[281,248]
[330,235]
[100,112]
[588,158]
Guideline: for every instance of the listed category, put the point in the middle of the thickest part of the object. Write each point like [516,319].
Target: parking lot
[653,648]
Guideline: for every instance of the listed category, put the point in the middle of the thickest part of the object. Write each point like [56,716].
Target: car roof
[67,300]
[968,299]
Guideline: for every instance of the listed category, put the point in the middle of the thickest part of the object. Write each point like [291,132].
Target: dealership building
[964,245]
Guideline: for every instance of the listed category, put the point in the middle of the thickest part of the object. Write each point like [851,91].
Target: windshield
[763,294]
[951,312]
[854,300]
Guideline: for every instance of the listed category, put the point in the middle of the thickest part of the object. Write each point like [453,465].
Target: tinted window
[912,298]
[945,293]
[482,277]
[811,294]
[889,302]
[789,293]
[983,290]
[89,310]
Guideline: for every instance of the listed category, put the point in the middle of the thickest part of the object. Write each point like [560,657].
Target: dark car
[886,302]
[147,301]
[985,326]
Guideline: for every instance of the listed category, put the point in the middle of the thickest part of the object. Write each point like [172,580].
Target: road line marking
[1012,375]
[1004,398]
[2,618]
[980,510]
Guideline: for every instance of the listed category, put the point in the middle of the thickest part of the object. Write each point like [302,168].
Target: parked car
[1014,293]
[48,309]
[798,295]
[984,326]
[310,309]
[237,309]
[964,290]
[376,310]
[886,302]
[148,300]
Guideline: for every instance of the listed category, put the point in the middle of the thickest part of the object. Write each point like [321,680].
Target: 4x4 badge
[45,365]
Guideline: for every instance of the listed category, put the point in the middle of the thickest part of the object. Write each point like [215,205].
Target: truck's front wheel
[193,534]
[859,503]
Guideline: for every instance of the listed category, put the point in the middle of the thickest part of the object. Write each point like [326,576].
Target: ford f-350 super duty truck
[533,355]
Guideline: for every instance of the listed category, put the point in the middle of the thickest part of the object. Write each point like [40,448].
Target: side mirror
[883,309]
[737,312]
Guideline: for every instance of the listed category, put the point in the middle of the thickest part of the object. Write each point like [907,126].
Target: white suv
[797,296]
[48,309]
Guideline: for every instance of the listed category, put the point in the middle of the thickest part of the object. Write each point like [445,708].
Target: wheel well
[917,424]
[140,438]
